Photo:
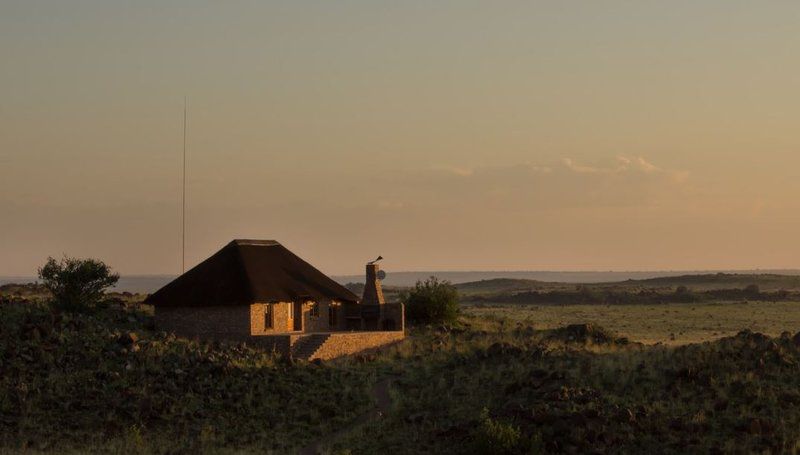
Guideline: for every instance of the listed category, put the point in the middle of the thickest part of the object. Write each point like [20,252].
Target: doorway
[297,313]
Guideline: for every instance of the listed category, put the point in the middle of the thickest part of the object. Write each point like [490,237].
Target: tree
[77,284]
[432,301]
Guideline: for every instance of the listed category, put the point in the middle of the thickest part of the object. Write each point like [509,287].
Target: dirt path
[383,404]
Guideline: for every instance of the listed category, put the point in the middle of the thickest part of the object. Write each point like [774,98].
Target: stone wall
[347,343]
[245,323]
[282,324]
[280,318]
[230,322]
[393,314]
[317,323]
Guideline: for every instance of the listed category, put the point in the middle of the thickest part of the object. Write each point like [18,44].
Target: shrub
[432,301]
[493,437]
[76,284]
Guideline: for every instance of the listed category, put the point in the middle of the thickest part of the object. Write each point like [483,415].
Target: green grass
[675,323]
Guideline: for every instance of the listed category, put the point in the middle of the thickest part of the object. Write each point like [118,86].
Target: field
[506,378]
[672,323]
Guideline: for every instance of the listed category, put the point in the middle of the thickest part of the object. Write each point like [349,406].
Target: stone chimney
[373,294]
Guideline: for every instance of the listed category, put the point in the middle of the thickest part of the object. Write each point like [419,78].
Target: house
[259,292]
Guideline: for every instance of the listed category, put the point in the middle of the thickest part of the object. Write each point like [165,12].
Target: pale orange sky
[456,135]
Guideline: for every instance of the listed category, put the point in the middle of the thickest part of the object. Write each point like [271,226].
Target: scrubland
[504,379]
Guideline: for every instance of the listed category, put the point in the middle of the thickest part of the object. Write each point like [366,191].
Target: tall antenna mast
[183,198]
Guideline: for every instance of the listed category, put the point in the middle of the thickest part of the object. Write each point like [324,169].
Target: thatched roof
[249,271]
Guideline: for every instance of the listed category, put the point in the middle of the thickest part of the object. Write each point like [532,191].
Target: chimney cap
[376,260]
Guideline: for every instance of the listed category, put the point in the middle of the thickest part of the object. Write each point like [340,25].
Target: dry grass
[671,324]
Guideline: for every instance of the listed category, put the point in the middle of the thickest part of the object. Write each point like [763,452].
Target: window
[268,316]
[331,315]
[314,311]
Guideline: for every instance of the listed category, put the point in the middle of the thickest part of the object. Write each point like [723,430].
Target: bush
[432,301]
[77,284]
[493,437]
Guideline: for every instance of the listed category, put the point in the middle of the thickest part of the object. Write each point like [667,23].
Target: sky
[447,135]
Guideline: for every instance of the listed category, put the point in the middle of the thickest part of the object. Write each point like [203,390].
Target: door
[332,321]
[297,312]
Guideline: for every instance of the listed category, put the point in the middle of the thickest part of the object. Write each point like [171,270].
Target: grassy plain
[669,323]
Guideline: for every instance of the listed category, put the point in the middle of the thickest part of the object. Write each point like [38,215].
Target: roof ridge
[255,242]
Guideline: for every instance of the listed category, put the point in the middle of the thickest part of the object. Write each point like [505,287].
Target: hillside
[701,283]
[495,387]
[106,382]
[722,281]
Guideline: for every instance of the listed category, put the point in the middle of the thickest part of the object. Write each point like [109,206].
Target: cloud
[455,170]
[624,164]
[625,181]
[390,205]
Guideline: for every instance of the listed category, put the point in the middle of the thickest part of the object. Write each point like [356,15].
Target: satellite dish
[381,275]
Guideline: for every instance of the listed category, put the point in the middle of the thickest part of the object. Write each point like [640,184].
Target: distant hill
[766,281]
[410,278]
[497,281]
[498,285]
[701,282]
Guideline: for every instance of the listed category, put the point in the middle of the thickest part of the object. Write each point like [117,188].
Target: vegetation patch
[103,381]
[499,387]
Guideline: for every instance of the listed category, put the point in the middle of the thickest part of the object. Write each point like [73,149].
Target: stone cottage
[259,292]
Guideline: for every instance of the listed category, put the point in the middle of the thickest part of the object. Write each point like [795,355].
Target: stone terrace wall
[341,344]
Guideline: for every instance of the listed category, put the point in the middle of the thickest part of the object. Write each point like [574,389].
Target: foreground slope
[104,382]
[499,387]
